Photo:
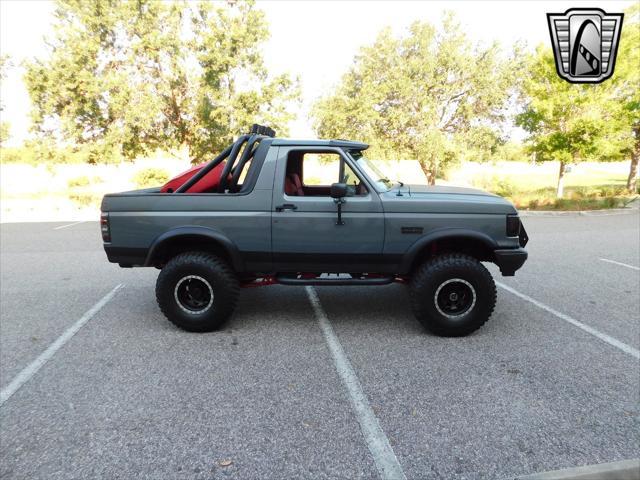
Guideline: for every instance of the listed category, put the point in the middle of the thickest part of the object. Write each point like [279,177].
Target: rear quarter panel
[137,219]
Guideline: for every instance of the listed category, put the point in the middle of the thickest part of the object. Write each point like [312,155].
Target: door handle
[286,206]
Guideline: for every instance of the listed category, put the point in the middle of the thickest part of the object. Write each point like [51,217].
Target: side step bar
[340,281]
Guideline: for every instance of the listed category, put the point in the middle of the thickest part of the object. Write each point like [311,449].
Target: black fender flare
[443,234]
[214,236]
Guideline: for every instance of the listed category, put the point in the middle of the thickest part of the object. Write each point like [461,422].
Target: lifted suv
[295,212]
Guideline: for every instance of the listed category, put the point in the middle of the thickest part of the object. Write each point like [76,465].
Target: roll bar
[247,154]
[258,132]
[206,169]
[235,149]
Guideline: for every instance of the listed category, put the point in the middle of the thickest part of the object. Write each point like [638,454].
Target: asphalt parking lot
[542,386]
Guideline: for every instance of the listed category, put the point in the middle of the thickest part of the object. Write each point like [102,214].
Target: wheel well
[469,246]
[188,243]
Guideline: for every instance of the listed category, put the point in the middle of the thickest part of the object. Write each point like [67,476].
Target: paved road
[131,396]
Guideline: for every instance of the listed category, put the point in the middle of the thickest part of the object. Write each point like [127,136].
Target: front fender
[443,234]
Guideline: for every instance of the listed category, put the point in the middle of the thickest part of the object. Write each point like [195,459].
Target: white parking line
[69,225]
[30,370]
[620,263]
[634,352]
[378,443]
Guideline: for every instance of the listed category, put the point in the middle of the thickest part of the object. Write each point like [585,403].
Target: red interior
[207,184]
[293,185]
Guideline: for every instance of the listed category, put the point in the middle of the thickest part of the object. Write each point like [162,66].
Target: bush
[81,181]
[533,204]
[85,199]
[14,155]
[46,152]
[484,181]
[150,177]
[612,190]
[505,188]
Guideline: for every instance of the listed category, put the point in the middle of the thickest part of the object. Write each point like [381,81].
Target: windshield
[381,181]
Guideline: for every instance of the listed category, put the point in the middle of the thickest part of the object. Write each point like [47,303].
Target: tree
[568,123]
[136,76]
[431,95]
[626,91]
[5,63]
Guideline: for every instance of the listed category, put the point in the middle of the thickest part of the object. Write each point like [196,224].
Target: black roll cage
[250,142]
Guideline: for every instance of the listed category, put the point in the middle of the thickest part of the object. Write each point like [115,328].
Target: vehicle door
[306,235]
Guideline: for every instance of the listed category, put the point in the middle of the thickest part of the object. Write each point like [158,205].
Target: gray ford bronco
[312,212]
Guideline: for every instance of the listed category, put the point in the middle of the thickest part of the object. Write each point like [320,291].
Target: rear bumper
[126,257]
[510,260]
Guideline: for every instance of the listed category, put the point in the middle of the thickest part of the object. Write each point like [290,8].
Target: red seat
[293,185]
[207,184]
[289,186]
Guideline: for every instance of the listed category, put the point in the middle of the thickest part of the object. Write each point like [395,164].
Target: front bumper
[510,260]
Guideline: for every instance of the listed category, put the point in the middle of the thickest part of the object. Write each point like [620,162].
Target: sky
[315,40]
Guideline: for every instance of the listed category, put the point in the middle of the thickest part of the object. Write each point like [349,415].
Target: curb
[623,470]
[577,213]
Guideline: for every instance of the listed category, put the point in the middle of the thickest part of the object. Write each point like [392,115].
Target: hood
[414,190]
[444,199]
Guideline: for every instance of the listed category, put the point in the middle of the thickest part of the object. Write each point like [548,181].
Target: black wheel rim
[193,294]
[455,297]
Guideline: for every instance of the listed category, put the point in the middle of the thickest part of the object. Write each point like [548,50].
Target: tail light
[104,227]
[513,225]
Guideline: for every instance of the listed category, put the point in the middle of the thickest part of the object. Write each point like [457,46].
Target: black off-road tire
[433,286]
[208,275]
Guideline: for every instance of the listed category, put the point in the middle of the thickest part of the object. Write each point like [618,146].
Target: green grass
[594,197]
[532,178]
[590,186]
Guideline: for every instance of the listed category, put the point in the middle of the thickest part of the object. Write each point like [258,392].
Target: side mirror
[338,190]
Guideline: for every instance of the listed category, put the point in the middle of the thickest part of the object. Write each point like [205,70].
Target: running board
[319,281]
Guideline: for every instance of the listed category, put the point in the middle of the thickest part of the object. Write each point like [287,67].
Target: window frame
[344,159]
